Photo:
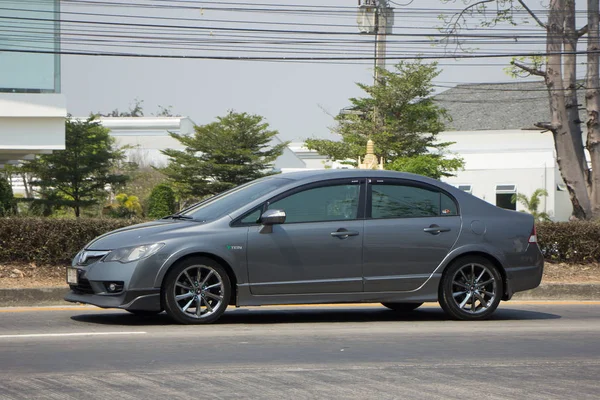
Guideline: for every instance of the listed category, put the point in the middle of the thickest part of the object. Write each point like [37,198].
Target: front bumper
[136,291]
[139,299]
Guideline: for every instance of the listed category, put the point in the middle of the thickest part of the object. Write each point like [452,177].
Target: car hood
[146,233]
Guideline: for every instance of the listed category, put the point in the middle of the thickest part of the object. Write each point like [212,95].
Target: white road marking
[36,335]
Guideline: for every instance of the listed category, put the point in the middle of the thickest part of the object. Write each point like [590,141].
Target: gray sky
[294,97]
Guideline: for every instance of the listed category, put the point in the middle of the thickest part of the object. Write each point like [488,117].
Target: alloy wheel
[199,291]
[474,288]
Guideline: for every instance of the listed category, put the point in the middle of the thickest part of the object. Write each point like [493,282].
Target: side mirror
[270,218]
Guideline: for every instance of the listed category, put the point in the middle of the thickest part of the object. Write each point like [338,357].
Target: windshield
[229,201]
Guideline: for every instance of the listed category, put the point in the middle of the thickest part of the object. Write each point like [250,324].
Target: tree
[233,150]
[399,115]
[137,110]
[161,202]
[532,204]
[79,175]
[8,206]
[431,165]
[558,67]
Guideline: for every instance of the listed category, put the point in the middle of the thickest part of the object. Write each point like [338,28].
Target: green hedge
[571,242]
[50,240]
[56,241]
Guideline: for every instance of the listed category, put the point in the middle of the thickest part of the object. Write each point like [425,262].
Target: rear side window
[405,201]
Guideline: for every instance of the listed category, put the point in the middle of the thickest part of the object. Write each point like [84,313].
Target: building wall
[522,158]
[147,136]
[32,112]
[30,124]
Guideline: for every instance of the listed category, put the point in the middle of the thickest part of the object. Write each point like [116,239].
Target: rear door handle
[343,233]
[434,229]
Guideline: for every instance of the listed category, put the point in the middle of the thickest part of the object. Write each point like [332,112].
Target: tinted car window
[228,202]
[252,218]
[403,201]
[448,206]
[327,203]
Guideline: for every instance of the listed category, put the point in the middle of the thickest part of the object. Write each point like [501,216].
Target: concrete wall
[30,124]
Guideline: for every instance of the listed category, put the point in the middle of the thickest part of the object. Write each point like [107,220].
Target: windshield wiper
[177,216]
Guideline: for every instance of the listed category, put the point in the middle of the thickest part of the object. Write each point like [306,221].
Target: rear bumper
[523,278]
[143,299]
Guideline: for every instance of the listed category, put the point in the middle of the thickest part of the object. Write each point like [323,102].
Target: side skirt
[426,293]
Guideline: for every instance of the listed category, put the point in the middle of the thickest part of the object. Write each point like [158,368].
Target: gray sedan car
[316,237]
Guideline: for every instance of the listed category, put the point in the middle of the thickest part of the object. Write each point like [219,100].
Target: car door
[410,228]
[319,247]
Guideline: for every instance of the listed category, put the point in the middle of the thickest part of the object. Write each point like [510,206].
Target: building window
[32,25]
[504,194]
[466,188]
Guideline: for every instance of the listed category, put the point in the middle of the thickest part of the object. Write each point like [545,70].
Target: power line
[240,58]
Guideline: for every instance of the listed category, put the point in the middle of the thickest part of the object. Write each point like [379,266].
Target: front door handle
[435,229]
[343,233]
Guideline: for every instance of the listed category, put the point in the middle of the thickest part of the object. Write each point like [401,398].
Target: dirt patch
[31,275]
[571,273]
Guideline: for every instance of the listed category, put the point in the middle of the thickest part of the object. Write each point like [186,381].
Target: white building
[147,136]
[501,163]
[32,110]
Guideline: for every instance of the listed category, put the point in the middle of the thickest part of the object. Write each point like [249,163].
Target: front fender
[234,258]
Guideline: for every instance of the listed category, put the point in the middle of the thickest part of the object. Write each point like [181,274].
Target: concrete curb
[47,296]
[561,291]
[548,291]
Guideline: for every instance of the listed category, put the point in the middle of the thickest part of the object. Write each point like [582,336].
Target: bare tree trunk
[592,96]
[571,38]
[566,148]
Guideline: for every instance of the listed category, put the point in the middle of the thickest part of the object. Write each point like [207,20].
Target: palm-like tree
[532,203]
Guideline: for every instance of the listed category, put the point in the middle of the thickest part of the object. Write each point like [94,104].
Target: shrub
[49,240]
[125,206]
[571,242]
[161,202]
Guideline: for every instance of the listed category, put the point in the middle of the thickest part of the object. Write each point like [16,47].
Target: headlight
[129,254]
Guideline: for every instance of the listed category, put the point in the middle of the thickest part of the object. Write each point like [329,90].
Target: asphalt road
[528,350]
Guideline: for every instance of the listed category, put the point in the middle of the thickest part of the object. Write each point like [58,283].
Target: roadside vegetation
[75,195]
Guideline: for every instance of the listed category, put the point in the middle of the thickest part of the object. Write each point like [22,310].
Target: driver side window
[326,203]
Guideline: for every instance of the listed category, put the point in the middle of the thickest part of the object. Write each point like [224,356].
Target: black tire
[145,313]
[459,286]
[402,307]
[175,308]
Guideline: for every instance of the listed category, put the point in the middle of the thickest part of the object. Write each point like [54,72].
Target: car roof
[351,173]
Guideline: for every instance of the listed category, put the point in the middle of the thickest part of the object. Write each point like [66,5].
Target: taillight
[533,236]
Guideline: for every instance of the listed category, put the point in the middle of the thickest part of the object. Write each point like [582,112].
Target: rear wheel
[403,307]
[471,289]
[196,291]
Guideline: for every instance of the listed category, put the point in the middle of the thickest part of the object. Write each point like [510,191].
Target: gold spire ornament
[370,159]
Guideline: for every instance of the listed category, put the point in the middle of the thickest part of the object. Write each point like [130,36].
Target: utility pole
[376,18]
[382,14]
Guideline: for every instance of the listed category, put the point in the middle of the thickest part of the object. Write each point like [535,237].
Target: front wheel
[196,291]
[471,289]
[402,307]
